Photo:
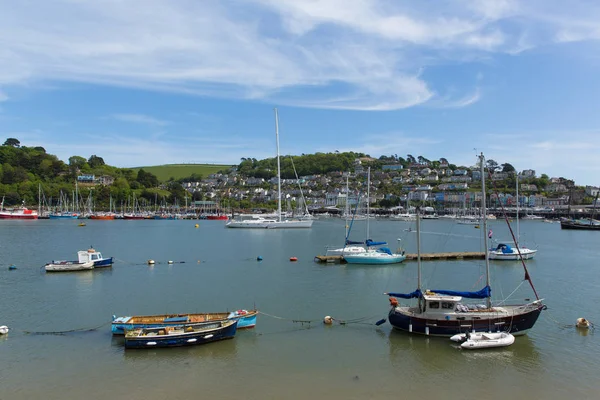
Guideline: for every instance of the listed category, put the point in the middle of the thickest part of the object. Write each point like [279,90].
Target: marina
[290,353]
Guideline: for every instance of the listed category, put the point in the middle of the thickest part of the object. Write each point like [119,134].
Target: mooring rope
[67,331]
[360,320]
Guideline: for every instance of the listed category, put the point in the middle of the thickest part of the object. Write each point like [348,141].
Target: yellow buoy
[197,225]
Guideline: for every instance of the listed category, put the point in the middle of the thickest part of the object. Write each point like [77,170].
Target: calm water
[282,358]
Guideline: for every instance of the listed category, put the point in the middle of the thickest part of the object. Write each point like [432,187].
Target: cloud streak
[140,119]
[337,54]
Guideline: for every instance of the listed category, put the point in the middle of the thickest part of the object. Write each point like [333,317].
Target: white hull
[270,224]
[513,256]
[68,266]
[348,250]
[483,340]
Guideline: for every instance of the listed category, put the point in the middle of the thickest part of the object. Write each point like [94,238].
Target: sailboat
[504,251]
[350,247]
[374,254]
[278,222]
[442,313]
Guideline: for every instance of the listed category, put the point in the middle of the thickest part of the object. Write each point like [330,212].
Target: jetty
[459,255]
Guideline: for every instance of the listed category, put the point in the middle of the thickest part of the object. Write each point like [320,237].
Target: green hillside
[177,171]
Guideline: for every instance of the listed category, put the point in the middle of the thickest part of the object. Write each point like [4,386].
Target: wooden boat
[68,266]
[483,340]
[189,335]
[245,318]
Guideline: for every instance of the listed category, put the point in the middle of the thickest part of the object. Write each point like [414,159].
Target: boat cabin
[440,303]
[89,255]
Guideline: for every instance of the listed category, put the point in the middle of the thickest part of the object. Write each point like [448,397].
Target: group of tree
[27,172]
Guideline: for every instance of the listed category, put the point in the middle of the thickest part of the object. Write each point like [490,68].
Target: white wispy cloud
[3,96]
[361,54]
[140,119]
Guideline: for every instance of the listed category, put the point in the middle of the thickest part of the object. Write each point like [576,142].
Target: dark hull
[106,262]
[186,339]
[517,325]
[578,226]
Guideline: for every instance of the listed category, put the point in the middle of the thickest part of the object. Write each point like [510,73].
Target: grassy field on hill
[177,171]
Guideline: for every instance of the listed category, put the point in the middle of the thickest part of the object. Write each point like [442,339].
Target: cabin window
[94,257]
[434,304]
[447,306]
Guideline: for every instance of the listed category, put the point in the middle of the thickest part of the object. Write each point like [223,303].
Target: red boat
[17,213]
[218,217]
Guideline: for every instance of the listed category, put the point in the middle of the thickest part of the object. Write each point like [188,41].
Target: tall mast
[278,166]
[39,199]
[368,199]
[418,212]
[518,234]
[485,234]
[347,206]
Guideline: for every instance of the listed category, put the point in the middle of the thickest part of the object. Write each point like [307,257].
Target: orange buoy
[293,258]
[393,302]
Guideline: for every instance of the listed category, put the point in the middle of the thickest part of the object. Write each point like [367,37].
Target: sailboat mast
[368,199]
[278,166]
[518,233]
[485,234]
[418,211]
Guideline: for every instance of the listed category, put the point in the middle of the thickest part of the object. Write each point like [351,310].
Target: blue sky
[147,82]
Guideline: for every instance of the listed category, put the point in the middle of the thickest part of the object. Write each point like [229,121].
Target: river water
[216,269]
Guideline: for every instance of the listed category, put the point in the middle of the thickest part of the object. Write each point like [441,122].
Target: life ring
[393,302]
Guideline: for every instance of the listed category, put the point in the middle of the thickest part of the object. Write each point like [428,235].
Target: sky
[150,82]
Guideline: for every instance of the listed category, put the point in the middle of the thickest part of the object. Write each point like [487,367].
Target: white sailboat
[272,223]
[374,254]
[442,312]
[349,247]
[504,251]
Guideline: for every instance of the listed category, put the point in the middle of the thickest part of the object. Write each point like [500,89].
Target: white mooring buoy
[582,323]
[327,320]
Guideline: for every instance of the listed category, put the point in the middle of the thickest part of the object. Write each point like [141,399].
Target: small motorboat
[68,266]
[187,335]
[483,340]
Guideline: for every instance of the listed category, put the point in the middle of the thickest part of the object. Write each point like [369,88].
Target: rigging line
[512,233]
[513,292]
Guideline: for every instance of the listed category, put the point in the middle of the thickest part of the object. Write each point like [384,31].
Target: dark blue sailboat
[187,335]
[442,313]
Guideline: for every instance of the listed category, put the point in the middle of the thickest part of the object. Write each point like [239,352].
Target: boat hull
[68,266]
[573,225]
[526,254]
[268,224]
[517,323]
[121,324]
[211,332]
[367,259]
[106,262]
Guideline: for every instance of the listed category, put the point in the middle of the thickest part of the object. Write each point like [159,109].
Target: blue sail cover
[369,242]
[417,293]
[384,250]
[482,294]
